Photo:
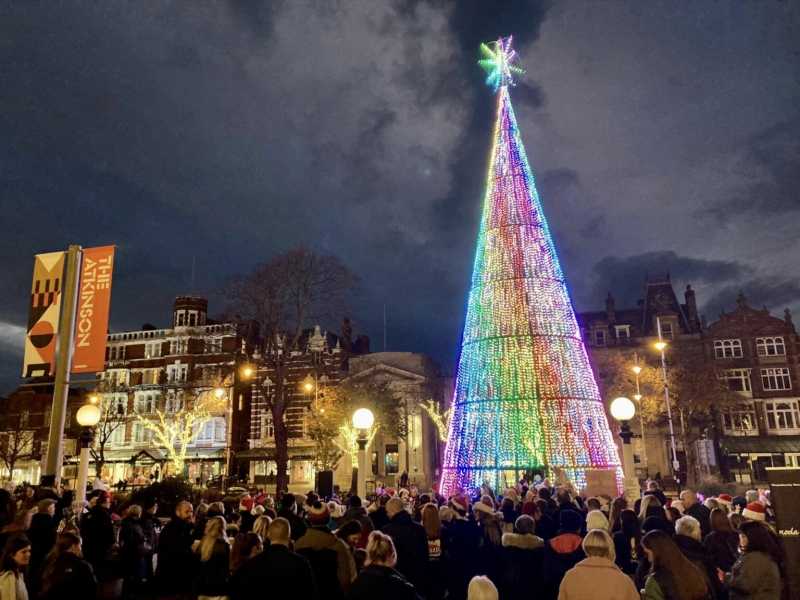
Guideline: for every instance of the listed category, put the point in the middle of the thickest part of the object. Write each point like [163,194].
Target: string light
[525,396]
[441,420]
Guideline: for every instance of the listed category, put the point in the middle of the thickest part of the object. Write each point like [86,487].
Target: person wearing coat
[723,542]
[42,535]
[356,513]
[212,571]
[65,571]
[563,552]
[687,538]
[379,517]
[134,550]
[175,553]
[596,576]
[521,559]
[465,539]
[97,532]
[288,573]
[410,542]
[757,573]
[379,579]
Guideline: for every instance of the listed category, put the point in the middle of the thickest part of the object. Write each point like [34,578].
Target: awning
[775,444]
[260,454]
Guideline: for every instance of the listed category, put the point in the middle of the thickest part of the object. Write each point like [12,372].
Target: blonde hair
[647,501]
[598,543]
[596,520]
[134,510]
[380,549]
[215,531]
[481,588]
[261,526]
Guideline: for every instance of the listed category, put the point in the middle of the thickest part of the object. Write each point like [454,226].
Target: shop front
[746,458]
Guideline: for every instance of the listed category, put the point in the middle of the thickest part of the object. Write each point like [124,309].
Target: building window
[177,347]
[267,426]
[152,350]
[782,415]
[728,348]
[23,418]
[743,419]
[738,379]
[599,338]
[48,414]
[623,331]
[776,379]
[180,319]
[666,331]
[770,346]
[392,459]
[177,373]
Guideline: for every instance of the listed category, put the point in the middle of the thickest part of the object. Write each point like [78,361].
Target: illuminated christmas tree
[525,396]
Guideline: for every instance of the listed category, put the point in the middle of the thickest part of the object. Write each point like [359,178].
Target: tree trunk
[281,450]
[99,463]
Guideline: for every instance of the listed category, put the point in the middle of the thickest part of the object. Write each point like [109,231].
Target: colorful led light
[525,396]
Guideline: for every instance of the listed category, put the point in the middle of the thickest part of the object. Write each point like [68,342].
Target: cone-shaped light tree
[525,396]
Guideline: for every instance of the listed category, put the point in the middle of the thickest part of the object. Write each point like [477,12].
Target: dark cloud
[773,294]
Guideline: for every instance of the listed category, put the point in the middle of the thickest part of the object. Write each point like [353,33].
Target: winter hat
[529,508]
[481,507]
[45,504]
[725,499]
[460,504]
[487,500]
[392,493]
[570,520]
[336,509]
[739,504]
[354,502]
[754,512]
[319,514]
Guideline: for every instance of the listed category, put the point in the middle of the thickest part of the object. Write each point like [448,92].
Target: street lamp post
[660,345]
[88,416]
[362,421]
[638,397]
[622,409]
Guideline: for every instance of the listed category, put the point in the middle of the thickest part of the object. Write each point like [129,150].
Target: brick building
[759,356]
[154,371]
[25,430]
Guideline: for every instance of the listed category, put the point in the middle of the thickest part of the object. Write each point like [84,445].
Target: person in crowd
[331,560]
[597,576]
[596,520]
[134,550]
[592,503]
[617,506]
[232,528]
[410,541]
[688,538]
[564,500]
[438,548]
[521,560]
[724,501]
[756,575]
[672,575]
[736,520]
[200,520]
[752,496]
[289,574]
[509,511]
[693,508]
[15,559]
[723,542]
[337,511]
[213,571]
[563,552]
[350,534]
[8,508]
[711,503]
[97,533]
[544,524]
[47,488]
[379,517]
[482,588]
[245,547]
[261,526]
[356,512]
[445,515]
[673,514]
[150,527]
[652,489]
[288,511]
[650,507]
[546,494]
[64,571]
[20,525]
[379,579]
[42,535]
[755,511]
[28,501]
[175,553]
[465,539]
[628,543]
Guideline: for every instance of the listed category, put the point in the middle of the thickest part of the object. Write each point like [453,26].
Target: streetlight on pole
[88,416]
[638,397]
[362,421]
[660,345]
[622,409]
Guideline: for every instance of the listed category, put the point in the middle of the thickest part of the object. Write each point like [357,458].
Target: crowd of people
[404,545]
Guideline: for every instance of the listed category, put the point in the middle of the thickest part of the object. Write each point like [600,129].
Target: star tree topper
[498,61]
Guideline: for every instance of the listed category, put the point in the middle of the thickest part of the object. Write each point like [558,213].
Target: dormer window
[623,331]
[599,338]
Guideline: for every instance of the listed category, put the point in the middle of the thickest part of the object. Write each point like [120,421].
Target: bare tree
[285,296]
[16,444]
[113,417]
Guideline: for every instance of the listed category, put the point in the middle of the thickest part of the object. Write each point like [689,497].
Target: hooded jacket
[330,558]
[411,543]
[377,581]
[561,554]
[521,561]
[599,579]
[755,576]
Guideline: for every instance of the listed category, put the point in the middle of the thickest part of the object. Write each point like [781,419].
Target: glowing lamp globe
[622,409]
[88,416]
[363,419]
[219,392]
[660,345]
[637,369]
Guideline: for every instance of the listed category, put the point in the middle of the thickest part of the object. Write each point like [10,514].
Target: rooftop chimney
[691,304]
[611,314]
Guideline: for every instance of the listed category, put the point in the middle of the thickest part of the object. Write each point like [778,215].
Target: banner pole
[55,450]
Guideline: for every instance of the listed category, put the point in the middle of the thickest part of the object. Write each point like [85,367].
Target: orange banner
[91,319]
[43,313]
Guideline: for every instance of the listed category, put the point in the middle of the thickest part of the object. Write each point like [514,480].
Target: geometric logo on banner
[43,315]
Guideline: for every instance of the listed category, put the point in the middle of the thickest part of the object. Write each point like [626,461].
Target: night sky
[662,135]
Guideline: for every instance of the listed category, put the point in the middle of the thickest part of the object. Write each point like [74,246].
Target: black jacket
[42,534]
[561,554]
[379,518]
[131,537]
[696,552]
[461,568]
[97,531]
[703,515]
[723,546]
[411,544]
[296,522]
[357,514]
[150,525]
[277,569]
[71,573]
[628,553]
[212,577]
[175,558]
[521,562]
[384,583]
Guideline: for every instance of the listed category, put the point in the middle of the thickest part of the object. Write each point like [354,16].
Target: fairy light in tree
[348,440]
[440,419]
[525,396]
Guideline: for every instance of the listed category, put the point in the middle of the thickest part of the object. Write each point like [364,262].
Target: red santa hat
[754,512]
[725,499]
